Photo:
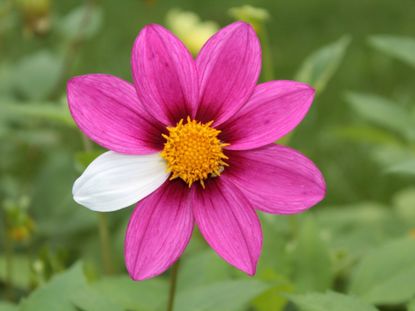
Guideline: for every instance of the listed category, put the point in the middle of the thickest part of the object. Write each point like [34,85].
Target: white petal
[114,181]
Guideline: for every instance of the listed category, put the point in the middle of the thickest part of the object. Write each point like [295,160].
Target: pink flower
[193,142]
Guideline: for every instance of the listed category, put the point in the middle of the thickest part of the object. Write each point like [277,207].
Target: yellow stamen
[193,151]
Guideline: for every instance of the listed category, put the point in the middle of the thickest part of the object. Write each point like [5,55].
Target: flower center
[193,151]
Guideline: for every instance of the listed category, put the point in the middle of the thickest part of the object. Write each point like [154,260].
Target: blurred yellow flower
[253,15]
[21,233]
[19,224]
[34,6]
[36,15]
[190,28]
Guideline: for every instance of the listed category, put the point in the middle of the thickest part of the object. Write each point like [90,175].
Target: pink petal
[276,179]
[228,66]
[274,109]
[165,76]
[229,224]
[107,110]
[159,230]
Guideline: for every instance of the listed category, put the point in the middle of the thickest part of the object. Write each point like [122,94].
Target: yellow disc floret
[193,151]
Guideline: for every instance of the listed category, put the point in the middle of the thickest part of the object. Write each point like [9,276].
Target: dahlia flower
[192,141]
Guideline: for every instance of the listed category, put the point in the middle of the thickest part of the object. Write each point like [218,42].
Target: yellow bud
[36,15]
[190,28]
[34,7]
[252,15]
[19,234]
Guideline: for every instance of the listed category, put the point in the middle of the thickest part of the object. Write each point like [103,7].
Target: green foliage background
[355,251]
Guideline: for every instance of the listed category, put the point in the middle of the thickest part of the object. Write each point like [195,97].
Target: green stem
[88,146]
[73,49]
[268,66]
[104,235]
[173,285]
[8,252]
[294,226]
[105,244]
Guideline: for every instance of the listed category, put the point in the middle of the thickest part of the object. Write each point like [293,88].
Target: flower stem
[104,235]
[8,252]
[9,270]
[88,147]
[73,48]
[173,285]
[294,226]
[268,66]
[105,243]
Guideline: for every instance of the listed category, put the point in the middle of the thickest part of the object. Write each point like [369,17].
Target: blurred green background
[354,251]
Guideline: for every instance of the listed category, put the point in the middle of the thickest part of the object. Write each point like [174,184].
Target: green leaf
[20,273]
[202,268]
[38,111]
[275,265]
[275,298]
[387,274]
[330,301]
[122,291]
[84,21]
[8,19]
[380,111]
[321,65]
[312,267]
[6,85]
[404,202]
[388,155]
[226,296]
[90,300]
[404,168]
[366,134]
[55,199]
[399,47]
[411,306]
[36,75]
[356,229]
[4,306]
[275,239]
[56,294]
[346,217]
